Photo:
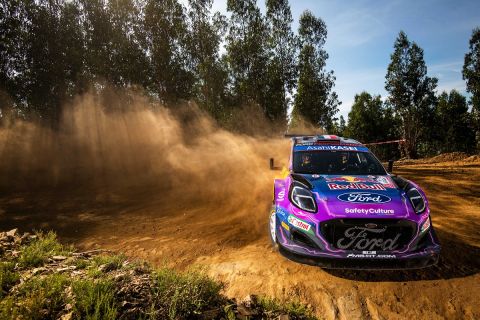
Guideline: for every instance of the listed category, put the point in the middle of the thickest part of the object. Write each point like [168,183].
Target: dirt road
[173,187]
[230,240]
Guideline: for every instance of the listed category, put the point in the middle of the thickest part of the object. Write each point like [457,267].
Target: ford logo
[363,197]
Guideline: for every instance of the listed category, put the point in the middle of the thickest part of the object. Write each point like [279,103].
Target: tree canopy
[411,91]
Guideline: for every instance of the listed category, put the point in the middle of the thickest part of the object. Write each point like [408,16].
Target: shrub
[179,295]
[94,299]
[8,277]
[39,250]
[294,309]
[41,298]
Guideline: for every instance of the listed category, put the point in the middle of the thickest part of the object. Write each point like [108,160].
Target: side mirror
[272,165]
[390,166]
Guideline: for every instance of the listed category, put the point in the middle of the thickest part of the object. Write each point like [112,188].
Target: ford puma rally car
[337,207]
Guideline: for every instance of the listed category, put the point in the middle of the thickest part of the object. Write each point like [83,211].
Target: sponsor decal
[342,148]
[363,197]
[356,186]
[425,225]
[282,213]
[369,211]
[359,238]
[328,146]
[281,195]
[385,181]
[285,226]
[300,224]
[378,256]
[350,179]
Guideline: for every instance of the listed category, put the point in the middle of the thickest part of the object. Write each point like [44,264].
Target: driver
[306,160]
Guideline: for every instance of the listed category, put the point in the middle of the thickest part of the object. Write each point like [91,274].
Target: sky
[361,35]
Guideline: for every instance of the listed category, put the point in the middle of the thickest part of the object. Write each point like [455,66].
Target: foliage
[314,101]
[53,50]
[247,54]
[292,308]
[282,69]
[8,277]
[370,120]
[119,288]
[411,92]
[94,299]
[38,251]
[471,73]
[180,295]
[453,120]
[42,297]
[210,72]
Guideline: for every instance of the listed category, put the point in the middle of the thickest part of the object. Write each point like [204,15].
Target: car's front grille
[368,234]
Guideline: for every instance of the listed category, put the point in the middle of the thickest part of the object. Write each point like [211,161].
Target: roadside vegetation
[43,279]
[176,51]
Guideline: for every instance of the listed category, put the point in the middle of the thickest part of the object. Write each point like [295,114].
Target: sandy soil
[229,238]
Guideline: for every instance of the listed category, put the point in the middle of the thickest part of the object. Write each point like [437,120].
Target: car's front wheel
[273,228]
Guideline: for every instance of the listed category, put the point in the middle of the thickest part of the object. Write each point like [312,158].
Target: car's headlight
[416,199]
[302,198]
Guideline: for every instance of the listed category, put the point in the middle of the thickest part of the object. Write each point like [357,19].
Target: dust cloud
[123,146]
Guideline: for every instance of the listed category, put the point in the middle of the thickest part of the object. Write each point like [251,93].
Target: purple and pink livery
[337,207]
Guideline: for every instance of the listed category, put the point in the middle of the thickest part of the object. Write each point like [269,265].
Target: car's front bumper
[427,256]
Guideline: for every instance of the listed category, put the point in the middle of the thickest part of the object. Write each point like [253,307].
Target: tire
[272,228]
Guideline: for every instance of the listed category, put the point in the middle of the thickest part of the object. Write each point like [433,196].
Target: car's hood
[358,196]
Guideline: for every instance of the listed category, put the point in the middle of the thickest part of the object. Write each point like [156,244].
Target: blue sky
[361,35]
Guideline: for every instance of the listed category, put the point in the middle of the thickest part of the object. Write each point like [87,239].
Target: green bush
[178,295]
[8,277]
[94,299]
[41,297]
[39,250]
[294,309]
[93,294]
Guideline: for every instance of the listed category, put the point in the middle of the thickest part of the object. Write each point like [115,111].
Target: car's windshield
[336,163]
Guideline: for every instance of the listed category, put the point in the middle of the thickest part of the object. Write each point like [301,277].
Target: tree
[167,44]
[454,123]
[247,54]
[14,25]
[367,120]
[282,48]
[471,73]
[340,127]
[371,120]
[315,99]
[126,47]
[411,92]
[205,35]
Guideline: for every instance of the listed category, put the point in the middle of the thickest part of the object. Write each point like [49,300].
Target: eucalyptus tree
[315,99]
[411,92]
[471,73]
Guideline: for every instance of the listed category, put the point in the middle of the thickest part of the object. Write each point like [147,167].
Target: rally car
[337,207]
